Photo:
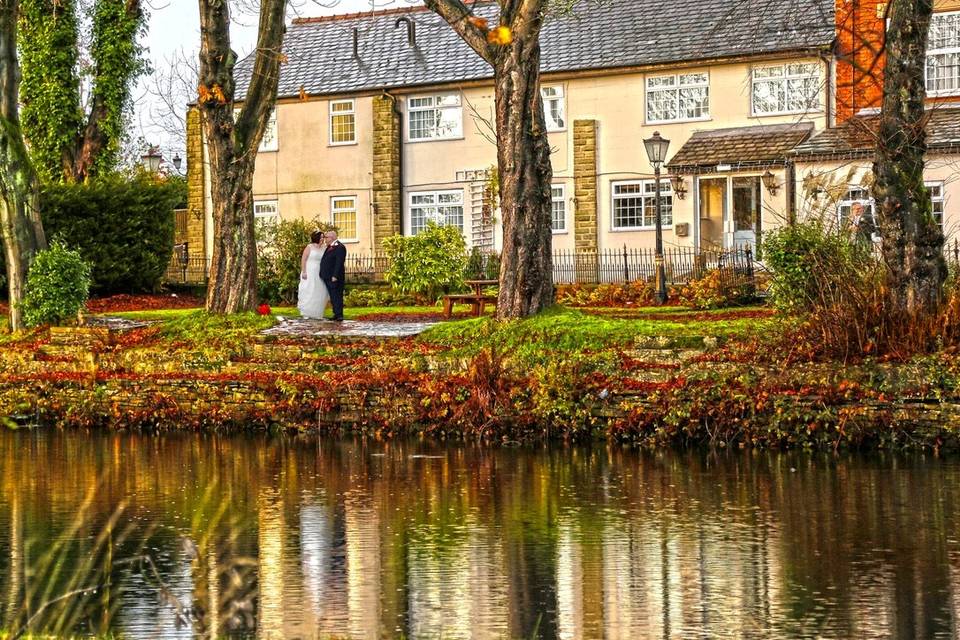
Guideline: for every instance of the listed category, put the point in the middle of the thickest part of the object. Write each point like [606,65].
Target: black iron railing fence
[622,265]
[186,267]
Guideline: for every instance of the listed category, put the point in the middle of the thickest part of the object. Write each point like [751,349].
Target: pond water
[187,536]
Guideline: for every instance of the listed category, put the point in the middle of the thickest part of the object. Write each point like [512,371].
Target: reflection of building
[315,535]
[270,562]
[363,567]
[569,583]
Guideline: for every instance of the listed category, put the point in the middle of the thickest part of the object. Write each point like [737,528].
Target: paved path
[302,328]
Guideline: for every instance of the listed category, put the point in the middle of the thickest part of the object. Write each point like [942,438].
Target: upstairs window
[634,205]
[269,141]
[343,127]
[554,109]
[678,97]
[438,117]
[786,88]
[943,54]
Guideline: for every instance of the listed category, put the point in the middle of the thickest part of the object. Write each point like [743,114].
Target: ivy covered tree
[66,143]
[912,240]
[232,144]
[512,48]
[20,223]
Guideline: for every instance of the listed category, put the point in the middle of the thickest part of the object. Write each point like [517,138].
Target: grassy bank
[644,376]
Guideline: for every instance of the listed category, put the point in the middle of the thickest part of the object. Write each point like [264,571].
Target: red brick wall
[860,26]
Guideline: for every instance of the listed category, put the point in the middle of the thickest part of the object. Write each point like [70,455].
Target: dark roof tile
[856,136]
[757,145]
[596,35]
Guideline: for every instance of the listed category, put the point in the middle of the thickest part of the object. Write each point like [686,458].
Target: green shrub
[712,292]
[58,285]
[377,297]
[482,265]
[429,263]
[123,226]
[803,257]
[279,249]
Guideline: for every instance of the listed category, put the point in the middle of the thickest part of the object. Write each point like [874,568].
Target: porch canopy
[741,148]
[856,137]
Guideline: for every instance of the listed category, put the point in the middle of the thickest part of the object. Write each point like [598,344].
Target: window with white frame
[558,208]
[554,109]
[856,212]
[343,215]
[270,141]
[437,117]
[936,202]
[684,96]
[266,210]
[943,53]
[441,207]
[634,204]
[786,88]
[343,124]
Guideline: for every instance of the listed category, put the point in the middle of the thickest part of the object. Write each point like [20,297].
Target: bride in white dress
[312,296]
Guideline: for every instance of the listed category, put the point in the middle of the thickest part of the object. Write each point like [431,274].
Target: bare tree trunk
[19,187]
[523,159]
[523,150]
[912,242]
[232,146]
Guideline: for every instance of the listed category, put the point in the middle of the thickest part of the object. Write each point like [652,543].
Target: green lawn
[558,329]
[561,329]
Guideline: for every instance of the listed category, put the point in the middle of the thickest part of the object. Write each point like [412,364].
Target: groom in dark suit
[331,272]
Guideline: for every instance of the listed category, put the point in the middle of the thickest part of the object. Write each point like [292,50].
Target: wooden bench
[476,301]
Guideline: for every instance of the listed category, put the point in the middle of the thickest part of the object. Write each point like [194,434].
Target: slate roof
[855,137]
[757,146]
[598,34]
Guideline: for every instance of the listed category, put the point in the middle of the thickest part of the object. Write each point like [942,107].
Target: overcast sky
[175,26]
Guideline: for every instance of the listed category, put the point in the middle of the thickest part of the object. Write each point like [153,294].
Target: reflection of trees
[358,539]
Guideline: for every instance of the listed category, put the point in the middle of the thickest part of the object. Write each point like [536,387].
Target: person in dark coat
[332,272]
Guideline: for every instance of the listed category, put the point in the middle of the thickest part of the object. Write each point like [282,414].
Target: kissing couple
[321,276]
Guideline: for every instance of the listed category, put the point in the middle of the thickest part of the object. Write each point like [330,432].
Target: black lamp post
[657,154]
[177,161]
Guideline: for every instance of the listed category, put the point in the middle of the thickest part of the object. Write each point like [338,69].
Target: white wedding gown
[313,296]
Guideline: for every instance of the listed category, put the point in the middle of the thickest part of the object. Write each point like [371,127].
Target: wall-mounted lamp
[770,182]
[679,186]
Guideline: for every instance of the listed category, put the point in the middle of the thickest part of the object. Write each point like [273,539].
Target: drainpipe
[397,112]
[790,171]
[830,106]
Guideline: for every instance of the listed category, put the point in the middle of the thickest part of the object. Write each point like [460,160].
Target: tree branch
[457,15]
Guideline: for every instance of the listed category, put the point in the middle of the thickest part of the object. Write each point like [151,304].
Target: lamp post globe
[656,147]
[151,159]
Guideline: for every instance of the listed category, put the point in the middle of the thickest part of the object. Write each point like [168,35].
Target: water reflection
[307,538]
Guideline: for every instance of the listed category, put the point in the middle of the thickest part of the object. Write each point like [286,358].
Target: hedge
[122,225]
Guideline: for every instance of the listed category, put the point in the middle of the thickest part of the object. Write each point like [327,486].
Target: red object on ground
[263,309]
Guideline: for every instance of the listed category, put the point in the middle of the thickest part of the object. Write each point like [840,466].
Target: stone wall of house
[386,170]
[585,223]
[195,214]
